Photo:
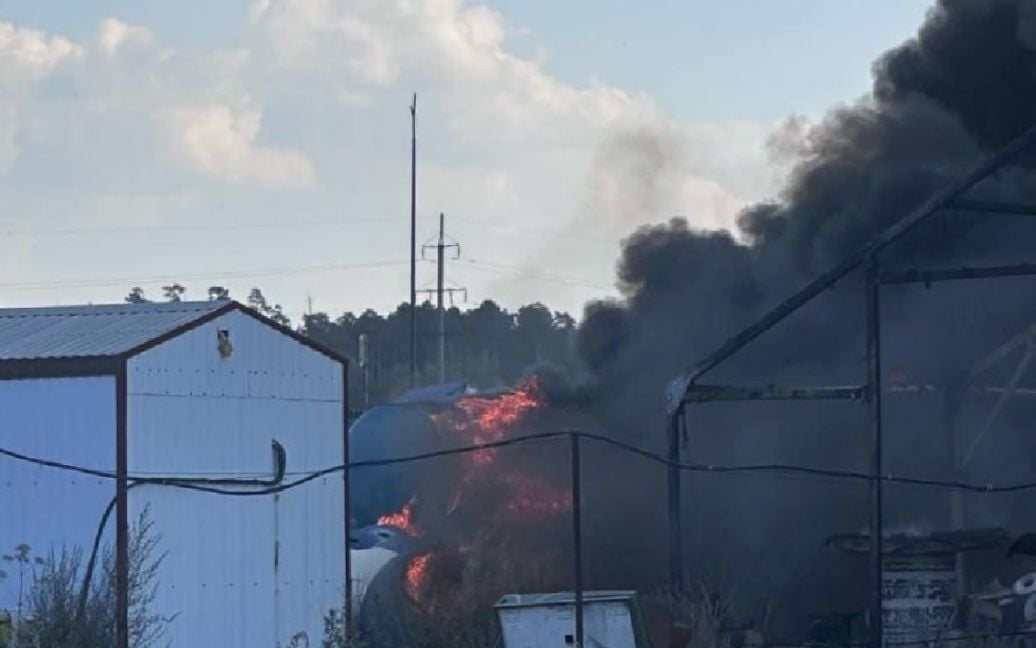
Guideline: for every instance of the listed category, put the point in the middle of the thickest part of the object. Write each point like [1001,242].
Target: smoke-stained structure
[963,87]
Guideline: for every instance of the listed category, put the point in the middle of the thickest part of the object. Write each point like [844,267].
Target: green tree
[135,296]
[257,302]
[173,292]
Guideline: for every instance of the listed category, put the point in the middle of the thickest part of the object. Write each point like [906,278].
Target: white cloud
[115,35]
[8,131]
[220,140]
[29,53]
[312,98]
[494,102]
[26,56]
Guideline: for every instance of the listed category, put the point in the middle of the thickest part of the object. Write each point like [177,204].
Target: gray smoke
[964,86]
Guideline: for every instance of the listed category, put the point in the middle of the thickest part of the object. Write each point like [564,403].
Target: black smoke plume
[964,86]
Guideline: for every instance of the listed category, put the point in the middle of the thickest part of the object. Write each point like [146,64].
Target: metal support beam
[347,613]
[953,393]
[122,525]
[675,512]
[577,537]
[992,207]
[957,274]
[890,235]
[874,397]
[710,393]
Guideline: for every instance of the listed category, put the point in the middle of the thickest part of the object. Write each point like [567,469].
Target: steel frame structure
[687,390]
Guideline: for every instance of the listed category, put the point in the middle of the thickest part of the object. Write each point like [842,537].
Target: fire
[485,489]
[534,496]
[488,419]
[403,519]
[416,571]
[479,420]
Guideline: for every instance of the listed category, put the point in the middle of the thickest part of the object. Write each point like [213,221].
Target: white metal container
[610,620]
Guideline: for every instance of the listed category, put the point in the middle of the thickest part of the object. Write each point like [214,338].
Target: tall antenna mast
[413,242]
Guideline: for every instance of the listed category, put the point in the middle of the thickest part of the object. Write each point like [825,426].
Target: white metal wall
[192,412]
[71,420]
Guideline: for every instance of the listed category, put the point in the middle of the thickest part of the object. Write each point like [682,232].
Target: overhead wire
[278,485]
[268,272]
[289,224]
[533,274]
[767,468]
[208,227]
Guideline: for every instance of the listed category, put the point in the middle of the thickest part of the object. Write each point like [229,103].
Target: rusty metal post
[874,396]
[676,567]
[577,535]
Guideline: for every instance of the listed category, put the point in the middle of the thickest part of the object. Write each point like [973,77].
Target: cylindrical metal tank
[383,432]
[919,596]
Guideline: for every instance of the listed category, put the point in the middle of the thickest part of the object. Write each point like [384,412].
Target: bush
[63,611]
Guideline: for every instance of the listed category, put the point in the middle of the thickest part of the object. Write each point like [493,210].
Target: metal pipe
[577,536]
[956,274]
[122,534]
[347,613]
[674,503]
[874,398]
[992,207]
[710,393]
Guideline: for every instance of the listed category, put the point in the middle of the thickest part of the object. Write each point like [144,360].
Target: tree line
[486,346]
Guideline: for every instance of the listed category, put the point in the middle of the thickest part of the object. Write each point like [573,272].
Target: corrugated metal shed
[91,331]
[190,391]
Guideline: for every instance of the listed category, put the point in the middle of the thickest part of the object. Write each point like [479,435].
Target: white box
[610,620]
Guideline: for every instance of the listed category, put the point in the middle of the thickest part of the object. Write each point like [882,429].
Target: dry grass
[700,616]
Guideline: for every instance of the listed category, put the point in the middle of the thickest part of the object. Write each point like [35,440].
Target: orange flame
[533,496]
[403,519]
[487,419]
[515,494]
[416,571]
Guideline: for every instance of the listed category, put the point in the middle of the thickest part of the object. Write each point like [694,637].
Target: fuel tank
[400,428]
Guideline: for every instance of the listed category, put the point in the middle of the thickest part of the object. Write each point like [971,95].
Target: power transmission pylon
[440,290]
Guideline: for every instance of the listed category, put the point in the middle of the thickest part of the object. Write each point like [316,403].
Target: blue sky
[264,142]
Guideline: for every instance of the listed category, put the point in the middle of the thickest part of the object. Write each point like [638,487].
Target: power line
[540,233]
[269,272]
[534,275]
[288,224]
[210,227]
[780,469]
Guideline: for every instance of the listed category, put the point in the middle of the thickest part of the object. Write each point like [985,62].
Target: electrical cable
[209,486]
[230,274]
[280,466]
[278,485]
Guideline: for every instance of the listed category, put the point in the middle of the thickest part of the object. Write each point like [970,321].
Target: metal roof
[92,331]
